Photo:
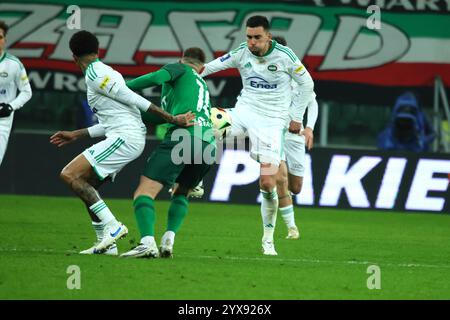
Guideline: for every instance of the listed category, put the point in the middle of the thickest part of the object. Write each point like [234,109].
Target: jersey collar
[96,60]
[272,46]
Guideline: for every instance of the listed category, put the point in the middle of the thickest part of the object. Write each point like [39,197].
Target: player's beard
[256,51]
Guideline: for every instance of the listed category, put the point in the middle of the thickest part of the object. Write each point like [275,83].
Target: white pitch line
[277,259]
[272,259]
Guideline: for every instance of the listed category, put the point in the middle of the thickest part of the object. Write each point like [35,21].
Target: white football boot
[293,233]
[110,235]
[166,247]
[268,248]
[142,251]
[197,191]
[111,251]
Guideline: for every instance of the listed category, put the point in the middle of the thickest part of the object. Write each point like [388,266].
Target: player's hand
[62,138]
[184,120]
[309,137]
[5,110]
[295,127]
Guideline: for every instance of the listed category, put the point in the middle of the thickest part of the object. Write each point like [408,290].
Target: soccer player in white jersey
[290,176]
[118,111]
[267,70]
[13,77]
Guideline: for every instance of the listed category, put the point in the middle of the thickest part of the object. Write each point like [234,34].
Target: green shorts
[185,164]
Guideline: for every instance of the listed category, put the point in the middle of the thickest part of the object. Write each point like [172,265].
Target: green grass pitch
[217,254]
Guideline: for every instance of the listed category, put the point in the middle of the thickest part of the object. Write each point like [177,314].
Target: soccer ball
[221,121]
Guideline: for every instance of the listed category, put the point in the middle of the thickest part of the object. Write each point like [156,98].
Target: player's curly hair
[258,21]
[83,43]
[4,27]
[194,55]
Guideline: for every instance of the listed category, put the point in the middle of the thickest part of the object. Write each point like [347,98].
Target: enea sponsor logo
[224,58]
[260,83]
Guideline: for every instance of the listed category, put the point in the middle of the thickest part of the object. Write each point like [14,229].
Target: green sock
[177,211]
[145,215]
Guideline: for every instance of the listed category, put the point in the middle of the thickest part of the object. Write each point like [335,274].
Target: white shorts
[266,135]
[5,130]
[109,156]
[294,154]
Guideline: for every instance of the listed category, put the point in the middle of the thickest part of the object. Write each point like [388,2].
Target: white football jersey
[13,77]
[109,98]
[266,80]
[312,107]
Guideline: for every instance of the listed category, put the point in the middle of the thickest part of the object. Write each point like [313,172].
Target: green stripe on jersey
[241,46]
[93,70]
[90,73]
[290,55]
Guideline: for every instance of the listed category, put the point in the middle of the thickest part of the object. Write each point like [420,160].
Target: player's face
[2,40]
[258,40]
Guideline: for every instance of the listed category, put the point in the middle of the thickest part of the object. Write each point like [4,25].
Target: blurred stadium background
[359,74]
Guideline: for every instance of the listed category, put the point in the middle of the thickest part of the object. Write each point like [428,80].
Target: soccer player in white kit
[118,111]
[13,77]
[292,168]
[267,70]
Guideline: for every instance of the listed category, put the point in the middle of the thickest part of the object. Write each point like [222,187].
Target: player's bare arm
[183,120]
[309,137]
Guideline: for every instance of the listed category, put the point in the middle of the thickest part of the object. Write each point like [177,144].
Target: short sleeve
[175,70]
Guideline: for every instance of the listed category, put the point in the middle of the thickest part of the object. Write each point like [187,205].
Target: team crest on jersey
[272,68]
[4,74]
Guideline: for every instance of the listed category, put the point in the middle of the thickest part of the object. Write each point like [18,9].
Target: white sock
[288,215]
[269,208]
[148,240]
[98,228]
[101,210]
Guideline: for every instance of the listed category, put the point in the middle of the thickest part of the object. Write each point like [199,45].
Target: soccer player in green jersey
[183,157]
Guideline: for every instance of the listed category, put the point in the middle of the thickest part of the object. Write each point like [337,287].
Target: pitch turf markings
[272,259]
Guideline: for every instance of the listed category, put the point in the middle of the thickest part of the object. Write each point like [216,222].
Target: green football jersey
[187,91]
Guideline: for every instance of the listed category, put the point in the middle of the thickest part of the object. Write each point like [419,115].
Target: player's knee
[66,175]
[267,183]
[296,187]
